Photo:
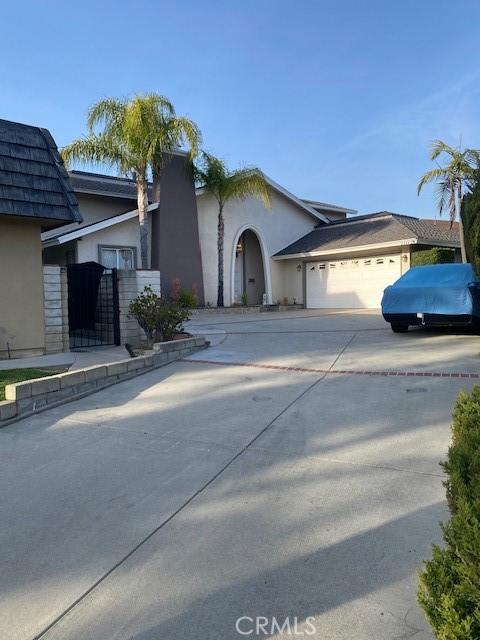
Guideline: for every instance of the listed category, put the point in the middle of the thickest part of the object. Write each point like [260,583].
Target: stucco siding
[275,227]
[293,279]
[21,288]
[124,234]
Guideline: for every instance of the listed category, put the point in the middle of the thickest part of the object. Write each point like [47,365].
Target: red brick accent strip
[414,374]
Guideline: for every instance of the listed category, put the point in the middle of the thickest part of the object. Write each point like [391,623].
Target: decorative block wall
[55,309]
[130,284]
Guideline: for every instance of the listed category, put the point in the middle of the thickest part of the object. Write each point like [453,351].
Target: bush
[144,308]
[471,224]
[436,255]
[184,297]
[449,585]
[160,319]
[187,299]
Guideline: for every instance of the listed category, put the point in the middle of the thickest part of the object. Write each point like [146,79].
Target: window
[117,257]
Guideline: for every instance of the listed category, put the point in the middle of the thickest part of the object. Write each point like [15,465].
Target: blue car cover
[441,288]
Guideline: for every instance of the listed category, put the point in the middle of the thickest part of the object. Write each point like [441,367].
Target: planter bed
[34,395]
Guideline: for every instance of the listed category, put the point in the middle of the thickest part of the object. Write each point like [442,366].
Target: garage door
[350,284]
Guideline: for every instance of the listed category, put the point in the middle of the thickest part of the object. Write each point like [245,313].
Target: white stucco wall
[125,234]
[293,281]
[277,227]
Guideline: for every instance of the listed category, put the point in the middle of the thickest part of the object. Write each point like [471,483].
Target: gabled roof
[103,185]
[376,229]
[325,206]
[316,215]
[58,236]
[33,180]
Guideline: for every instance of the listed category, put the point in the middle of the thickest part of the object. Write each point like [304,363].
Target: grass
[9,376]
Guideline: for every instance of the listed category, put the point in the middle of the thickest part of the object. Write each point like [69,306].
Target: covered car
[440,294]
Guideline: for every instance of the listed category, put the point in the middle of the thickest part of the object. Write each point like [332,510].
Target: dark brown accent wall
[175,240]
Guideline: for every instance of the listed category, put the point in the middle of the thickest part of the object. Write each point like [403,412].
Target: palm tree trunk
[462,238]
[220,241]
[461,231]
[157,178]
[144,221]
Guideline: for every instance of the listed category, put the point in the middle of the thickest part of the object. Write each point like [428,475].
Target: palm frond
[93,149]
[430,176]
[442,193]
[249,181]
[438,147]
[107,112]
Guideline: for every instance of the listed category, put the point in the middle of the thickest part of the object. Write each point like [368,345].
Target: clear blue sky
[336,100]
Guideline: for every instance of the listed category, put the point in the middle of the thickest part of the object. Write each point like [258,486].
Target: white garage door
[350,284]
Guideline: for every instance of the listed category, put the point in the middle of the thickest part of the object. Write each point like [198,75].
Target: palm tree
[137,136]
[224,185]
[453,179]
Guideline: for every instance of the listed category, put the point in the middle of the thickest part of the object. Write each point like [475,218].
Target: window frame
[117,248]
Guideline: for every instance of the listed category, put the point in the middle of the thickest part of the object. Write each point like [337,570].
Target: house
[348,263]
[184,241]
[301,251]
[35,195]
[109,233]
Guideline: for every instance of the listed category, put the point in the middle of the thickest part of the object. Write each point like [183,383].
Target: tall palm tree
[224,185]
[454,180]
[137,136]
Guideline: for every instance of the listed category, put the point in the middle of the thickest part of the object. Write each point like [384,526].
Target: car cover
[447,289]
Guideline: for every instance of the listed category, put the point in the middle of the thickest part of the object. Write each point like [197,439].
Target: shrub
[187,299]
[144,308]
[182,296]
[170,319]
[436,255]
[161,319]
[244,298]
[449,585]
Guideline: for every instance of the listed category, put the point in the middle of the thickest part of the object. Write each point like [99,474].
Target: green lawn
[9,376]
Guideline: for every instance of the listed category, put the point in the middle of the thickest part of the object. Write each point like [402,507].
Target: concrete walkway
[72,360]
[172,505]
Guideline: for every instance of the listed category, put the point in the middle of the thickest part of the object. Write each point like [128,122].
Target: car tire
[399,328]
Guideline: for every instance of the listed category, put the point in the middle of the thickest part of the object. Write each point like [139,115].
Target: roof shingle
[371,229]
[33,179]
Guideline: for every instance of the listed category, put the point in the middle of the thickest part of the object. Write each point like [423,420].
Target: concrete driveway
[284,473]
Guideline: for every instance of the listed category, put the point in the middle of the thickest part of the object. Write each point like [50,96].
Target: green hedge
[436,255]
[449,585]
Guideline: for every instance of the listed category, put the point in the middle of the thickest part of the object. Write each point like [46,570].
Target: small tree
[160,319]
[137,137]
[449,585]
[453,180]
[224,185]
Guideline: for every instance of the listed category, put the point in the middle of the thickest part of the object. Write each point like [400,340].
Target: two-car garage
[347,264]
[356,283]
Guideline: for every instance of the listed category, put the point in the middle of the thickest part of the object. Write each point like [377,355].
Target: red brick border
[414,374]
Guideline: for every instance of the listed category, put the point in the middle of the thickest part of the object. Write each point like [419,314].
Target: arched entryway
[249,282]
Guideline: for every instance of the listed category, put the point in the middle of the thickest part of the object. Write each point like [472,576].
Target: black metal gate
[93,312]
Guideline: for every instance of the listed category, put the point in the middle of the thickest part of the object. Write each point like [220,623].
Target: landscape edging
[26,398]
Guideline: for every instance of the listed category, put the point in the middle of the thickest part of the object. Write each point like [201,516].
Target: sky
[337,101]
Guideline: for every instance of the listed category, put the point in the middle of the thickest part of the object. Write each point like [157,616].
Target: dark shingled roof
[374,228]
[33,180]
[100,184]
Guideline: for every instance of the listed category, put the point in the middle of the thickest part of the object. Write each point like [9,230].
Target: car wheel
[399,328]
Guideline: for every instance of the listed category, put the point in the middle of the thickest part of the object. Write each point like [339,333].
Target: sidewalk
[71,360]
